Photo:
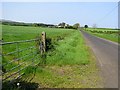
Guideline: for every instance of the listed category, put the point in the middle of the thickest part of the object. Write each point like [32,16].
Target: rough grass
[73,67]
[69,65]
[70,51]
[68,76]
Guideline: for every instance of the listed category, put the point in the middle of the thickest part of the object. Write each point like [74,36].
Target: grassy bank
[112,37]
[69,65]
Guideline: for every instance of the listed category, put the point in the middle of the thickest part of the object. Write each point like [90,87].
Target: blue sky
[104,14]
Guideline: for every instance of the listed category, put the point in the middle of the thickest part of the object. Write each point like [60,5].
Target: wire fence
[17,56]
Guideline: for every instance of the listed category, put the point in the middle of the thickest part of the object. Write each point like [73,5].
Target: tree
[67,26]
[76,26]
[35,24]
[86,26]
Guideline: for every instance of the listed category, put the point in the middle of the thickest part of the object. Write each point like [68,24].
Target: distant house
[62,25]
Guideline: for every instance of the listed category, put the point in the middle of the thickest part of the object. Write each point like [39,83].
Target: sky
[119,16]
[103,14]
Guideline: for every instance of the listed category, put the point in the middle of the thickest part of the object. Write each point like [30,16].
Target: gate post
[43,42]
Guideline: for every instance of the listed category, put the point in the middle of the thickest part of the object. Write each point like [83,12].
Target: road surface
[106,53]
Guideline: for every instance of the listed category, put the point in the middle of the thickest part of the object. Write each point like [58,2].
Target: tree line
[60,25]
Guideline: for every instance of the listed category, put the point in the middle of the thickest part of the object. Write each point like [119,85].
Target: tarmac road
[106,53]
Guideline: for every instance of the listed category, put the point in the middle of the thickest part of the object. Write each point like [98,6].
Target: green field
[70,64]
[112,37]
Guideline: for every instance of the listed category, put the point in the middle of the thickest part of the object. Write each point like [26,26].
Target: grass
[112,37]
[69,65]
[16,33]
[75,76]
[68,51]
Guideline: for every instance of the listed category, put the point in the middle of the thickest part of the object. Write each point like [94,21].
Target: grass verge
[112,37]
[69,65]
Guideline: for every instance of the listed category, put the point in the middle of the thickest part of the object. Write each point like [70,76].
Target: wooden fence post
[43,42]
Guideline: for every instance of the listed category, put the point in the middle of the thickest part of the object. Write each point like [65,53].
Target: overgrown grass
[70,51]
[69,65]
[75,76]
